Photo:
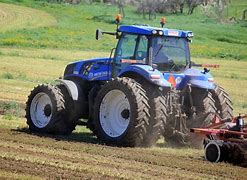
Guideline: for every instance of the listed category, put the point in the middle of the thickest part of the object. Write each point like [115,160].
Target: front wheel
[45,110]
[121,113]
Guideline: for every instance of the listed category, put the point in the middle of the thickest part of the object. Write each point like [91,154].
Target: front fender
[152,75]
[71,87]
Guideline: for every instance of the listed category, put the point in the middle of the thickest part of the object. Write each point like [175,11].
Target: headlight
[69,69]
[154,32]
[190,34]
[160,33]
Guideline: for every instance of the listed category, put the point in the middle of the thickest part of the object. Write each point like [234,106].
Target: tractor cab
[165,50]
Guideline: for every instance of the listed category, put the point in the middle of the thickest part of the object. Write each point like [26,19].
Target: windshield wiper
[159,50]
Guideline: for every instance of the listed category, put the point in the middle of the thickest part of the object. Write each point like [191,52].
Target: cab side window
[141,53]
[127,46]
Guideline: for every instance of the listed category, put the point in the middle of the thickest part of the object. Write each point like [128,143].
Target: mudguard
[199,79]
[71,87]
[149,73]
[79,104]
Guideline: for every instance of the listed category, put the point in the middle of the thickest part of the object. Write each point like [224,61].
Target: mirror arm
[109,33]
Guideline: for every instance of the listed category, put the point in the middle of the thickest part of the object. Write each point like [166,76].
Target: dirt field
[33,156]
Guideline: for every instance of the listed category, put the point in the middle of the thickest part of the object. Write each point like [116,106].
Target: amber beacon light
[163,21]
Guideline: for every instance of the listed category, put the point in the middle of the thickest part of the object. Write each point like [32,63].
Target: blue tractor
[147,88]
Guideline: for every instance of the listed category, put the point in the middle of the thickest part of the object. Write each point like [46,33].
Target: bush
[7,75]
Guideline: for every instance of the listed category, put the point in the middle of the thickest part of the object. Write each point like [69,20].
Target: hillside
[76,25]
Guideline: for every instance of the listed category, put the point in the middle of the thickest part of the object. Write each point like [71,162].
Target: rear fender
[150,74]
[201,84]
[199,79]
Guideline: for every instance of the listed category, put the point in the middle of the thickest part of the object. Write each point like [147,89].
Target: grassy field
[14,17]
[76,25]
[38,40]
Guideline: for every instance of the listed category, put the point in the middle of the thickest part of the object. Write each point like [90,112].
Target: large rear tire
[45,110]
[121,113]
[223,103]
[158,115]
[176,130]
[183,116]
[203,115]
[204,108]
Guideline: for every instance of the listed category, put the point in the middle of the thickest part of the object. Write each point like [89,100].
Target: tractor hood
[91,69]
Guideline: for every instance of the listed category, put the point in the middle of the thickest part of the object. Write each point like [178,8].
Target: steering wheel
[172,65]
[119,53]
[140,55]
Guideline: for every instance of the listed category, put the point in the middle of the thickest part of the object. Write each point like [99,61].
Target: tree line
[211,8]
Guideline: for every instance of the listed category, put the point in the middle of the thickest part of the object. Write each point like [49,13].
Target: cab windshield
[170,53]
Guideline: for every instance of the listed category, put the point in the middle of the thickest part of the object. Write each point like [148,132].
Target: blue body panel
[98,69]
[195,77]
[147,72]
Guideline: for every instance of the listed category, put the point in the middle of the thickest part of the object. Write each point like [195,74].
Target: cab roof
[148,30]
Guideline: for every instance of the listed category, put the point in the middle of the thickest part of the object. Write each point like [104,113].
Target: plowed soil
[80,156]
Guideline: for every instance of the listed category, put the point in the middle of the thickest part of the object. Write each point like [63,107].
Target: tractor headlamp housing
[157,32]
[154,32]
[190,34]
[69,69]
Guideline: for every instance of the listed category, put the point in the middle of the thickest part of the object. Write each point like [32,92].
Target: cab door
[131,49]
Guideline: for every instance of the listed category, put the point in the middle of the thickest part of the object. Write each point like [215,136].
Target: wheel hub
[47,110]
[125,114]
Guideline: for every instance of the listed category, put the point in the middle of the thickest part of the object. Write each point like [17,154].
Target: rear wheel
[204,108]
[121,113]
[45,110]
[200,114]
[158,115]
[223,102]
[176,129]
[185,115]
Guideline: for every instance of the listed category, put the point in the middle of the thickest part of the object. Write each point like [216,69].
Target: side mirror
[98,34]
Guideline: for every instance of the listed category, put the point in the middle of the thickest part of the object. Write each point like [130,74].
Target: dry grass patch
[14,17]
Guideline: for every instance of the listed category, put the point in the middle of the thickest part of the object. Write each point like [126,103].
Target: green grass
[75,29]
[18,17]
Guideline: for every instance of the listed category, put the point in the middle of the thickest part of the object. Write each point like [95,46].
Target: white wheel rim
[115,113]
[41,110]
